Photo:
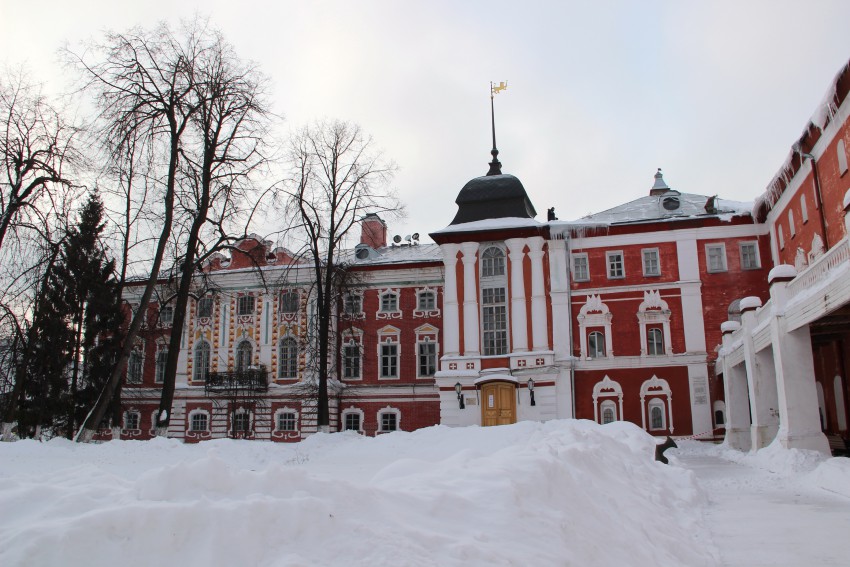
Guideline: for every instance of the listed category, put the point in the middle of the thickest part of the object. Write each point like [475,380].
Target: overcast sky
[601,93]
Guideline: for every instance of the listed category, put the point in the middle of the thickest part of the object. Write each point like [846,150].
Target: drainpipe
[819,199]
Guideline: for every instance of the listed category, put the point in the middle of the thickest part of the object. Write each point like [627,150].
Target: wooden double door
[498,403]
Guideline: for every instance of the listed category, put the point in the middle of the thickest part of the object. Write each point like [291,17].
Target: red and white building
[785,361]
[615,316]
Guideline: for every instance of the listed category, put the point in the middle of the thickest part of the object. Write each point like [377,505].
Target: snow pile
[557,493]
[832,475]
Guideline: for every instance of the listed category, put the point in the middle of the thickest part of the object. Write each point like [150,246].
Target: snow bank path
[759,518]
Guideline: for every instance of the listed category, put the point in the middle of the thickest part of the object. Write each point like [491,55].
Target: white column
[539,319]
[471,334]
[762,386]
[451,319]
[519,321]
[561,315]
[799,420]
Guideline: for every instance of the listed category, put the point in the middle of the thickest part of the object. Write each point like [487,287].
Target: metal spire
[495,165]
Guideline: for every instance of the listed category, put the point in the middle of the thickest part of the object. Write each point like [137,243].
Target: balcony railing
[820,268]
[251,380]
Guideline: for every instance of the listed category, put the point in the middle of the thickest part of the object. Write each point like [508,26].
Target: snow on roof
[404,254]
[663,207]
[490,224]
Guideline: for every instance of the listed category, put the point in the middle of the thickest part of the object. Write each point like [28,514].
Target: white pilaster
[451,318]
[539,319]
[692,312]
[471,334]
[519,320]
[558,291]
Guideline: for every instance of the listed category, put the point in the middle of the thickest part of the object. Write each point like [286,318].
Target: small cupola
[659,187]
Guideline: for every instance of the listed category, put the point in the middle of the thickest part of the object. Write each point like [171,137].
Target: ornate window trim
[419,312]
[351,338]
[393,310]
[278,433]
[389,336]
[389,410]
[657,388]
[604,389]
[352,411]
[427,334]
[289,340]
[654,311]
[594,313]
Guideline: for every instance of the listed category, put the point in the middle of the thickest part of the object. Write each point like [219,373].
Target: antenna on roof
[495,165]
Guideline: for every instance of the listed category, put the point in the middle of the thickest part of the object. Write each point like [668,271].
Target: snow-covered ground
[531,494]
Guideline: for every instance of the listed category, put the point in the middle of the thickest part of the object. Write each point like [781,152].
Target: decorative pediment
[652,300]
[607,387]
[594,305]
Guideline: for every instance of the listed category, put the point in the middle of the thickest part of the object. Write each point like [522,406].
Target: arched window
[654,341]
[596,344]
[720,413]
[492,262]
[202,361]
[289,302]
[287,358]
[656,415]
[244,354]
[161,360]
[609,412]
[132,420]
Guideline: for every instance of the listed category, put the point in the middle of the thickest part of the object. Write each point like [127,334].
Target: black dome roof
[493,197]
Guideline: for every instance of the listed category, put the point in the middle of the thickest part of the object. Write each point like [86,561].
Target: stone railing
[821,268]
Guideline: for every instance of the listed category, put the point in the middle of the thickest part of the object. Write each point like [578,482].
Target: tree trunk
[93,419]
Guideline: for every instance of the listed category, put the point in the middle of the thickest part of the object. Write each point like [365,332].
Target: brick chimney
[373,232]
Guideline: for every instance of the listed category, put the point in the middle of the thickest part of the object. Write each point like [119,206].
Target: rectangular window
[352,422]
[616,269]
[161,360]
[427,301]
[651,265]
[715,257]
[791,225]
[427,359]
[389,421]
[351,362]
[245,305]
[205,307]
[750,256]
[389,361]
[199,422]
[494,318]
[804,211]
[781,236]
[166,315]
[352,304]
[134,367]
[389,302]
[581,270]
[241,422]
[286,421]
[131,420]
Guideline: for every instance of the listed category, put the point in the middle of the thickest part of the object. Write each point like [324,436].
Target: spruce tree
[78,329]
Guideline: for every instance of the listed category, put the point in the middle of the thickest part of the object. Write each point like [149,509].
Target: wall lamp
[459,390]
[531,391]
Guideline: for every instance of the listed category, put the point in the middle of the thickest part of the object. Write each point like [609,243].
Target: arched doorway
[498,402]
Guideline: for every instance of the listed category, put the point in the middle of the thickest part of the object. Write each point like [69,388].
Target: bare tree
[36,146]
[338,177]
[221,151]
[144,83]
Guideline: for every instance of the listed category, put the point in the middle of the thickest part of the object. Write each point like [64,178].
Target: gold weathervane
[496,89]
